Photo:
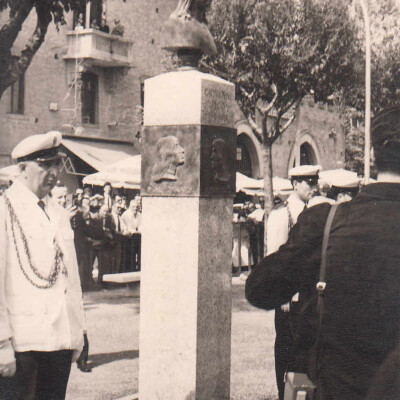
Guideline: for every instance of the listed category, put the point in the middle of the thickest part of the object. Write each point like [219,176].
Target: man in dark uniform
[361,321]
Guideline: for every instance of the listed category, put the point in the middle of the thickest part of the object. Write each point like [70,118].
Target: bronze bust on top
[188,9]
[186,29]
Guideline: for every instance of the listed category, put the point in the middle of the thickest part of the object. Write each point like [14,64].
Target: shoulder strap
[320,289]
[322,272]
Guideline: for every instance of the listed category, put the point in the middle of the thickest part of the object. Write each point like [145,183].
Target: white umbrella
[9,173]
[254,187]
[124,173]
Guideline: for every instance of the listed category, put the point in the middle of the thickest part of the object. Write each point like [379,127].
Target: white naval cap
[345,182]
[304,171]
[41,147]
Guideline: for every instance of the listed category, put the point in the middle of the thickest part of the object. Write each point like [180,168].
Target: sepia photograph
[199,199]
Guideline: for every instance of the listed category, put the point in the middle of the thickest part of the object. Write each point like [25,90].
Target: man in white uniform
[41,310]
[281,220]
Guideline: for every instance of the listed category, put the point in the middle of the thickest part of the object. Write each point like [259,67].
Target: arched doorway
[243,159]
[307,154]
[304,152]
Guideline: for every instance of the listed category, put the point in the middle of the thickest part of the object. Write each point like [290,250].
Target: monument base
[185,316]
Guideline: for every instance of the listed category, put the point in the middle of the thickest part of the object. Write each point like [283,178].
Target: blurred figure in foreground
[359,324]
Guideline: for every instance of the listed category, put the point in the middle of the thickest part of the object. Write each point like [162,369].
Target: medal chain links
[55,270]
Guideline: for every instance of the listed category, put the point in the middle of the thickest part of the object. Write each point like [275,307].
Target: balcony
[99,48]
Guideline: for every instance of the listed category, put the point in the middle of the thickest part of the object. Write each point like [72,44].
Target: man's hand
[7,359]
[72,210]
[285,307]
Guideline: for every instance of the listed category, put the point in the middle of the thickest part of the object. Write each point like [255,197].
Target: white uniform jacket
[278,223]
[41,319]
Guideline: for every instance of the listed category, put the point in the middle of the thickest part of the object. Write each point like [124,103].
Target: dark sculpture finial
[188,9]
[186,30]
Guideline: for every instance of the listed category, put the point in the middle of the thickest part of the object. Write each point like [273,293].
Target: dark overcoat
[362,298]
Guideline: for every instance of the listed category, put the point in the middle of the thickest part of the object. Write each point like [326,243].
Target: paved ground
[113,330]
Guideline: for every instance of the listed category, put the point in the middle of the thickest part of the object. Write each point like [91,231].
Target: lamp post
[367,145]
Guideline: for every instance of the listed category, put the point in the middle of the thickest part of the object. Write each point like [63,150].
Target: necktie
[42,206]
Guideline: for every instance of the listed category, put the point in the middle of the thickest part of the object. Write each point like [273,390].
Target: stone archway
[304,151]
[249,150]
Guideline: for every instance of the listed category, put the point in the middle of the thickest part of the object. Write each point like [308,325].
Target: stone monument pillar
[188,185]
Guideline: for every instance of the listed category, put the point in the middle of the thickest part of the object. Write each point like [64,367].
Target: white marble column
[185,305]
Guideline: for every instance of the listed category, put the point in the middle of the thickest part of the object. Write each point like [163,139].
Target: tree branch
[10,30]
[287,124]
[266,110]
[36,40]
[246,93]
[256,130]
[10,72]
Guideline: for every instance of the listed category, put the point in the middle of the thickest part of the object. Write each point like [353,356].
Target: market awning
[99,155]
[124,173]
[255,187]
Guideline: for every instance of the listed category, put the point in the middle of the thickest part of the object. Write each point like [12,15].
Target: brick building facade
[89,84]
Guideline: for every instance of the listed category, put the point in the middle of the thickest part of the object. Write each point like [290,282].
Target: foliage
[276,52]
[282,49]
[18,11]
[385,75]
[385,58]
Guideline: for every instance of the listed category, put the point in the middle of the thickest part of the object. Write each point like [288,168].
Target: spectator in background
[59,195]
[138,200]
[103,25]
[118,28]
[85,204]
[132,218]
[78,196]
[79,23]
[343,190]
[118,230]
[87,190]
[107,193]
[281,220]
[93,24]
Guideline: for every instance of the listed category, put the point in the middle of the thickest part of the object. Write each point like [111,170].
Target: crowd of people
[106,230]
[117,30]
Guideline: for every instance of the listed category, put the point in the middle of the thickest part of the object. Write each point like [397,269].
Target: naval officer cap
[304,171]
[43,147]
[345,182]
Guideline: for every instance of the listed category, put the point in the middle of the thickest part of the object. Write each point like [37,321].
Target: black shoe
[84,367]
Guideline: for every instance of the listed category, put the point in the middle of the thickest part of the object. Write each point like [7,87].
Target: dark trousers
[283,348]
[40,375]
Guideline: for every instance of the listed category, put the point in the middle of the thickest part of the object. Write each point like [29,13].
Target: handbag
[298,386]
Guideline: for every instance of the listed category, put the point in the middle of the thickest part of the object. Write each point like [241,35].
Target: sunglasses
[310,181]
[47,164]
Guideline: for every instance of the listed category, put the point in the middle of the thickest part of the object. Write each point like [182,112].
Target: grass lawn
[113,329]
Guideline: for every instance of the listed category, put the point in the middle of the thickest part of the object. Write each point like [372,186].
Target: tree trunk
[10,71]
[268,189]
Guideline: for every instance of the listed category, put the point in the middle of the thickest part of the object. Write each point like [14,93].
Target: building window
[17,95]
[90,90]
